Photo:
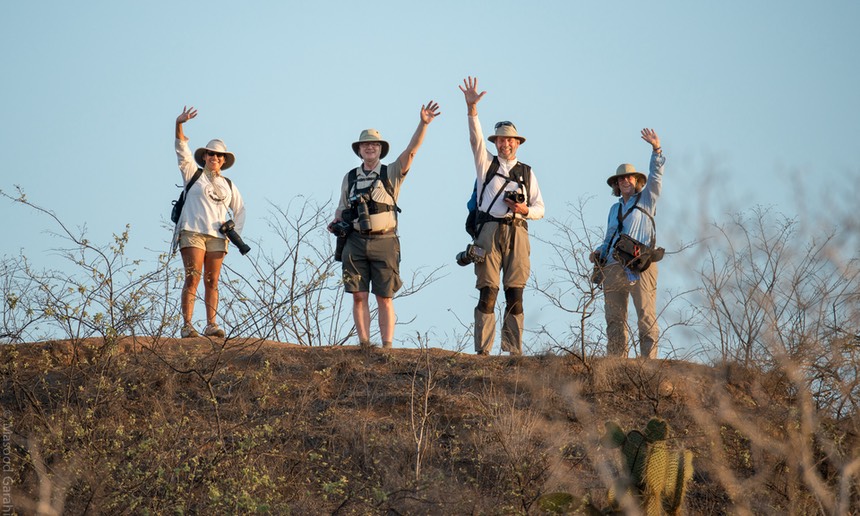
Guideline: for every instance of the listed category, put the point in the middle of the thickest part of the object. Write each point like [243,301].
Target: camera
[515,196]
[228,229]
[472,254]
[597,274]
[341,229]
[359,202]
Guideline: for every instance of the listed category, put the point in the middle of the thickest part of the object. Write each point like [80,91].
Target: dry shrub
[310,430]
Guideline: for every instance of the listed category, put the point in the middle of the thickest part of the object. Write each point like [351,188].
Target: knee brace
[487,300]
[514,300]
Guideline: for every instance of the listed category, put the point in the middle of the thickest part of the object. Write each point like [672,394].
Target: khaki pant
[507,250]
[616,289]
[507,247]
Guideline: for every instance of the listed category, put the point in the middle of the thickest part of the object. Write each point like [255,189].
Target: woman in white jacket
[201,244]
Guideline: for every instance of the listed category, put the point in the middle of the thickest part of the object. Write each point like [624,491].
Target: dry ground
[146,425]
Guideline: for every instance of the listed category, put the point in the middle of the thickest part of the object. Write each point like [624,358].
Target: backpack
[521,175]
[176,211]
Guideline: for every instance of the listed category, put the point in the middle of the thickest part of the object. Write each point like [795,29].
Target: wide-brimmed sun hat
[367,136]
[214,146]
[506,128]
[625,169]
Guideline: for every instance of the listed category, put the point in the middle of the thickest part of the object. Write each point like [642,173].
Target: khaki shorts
[208,243]
[369,260]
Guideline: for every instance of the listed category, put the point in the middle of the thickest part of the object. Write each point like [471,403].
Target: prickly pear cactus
[654,473]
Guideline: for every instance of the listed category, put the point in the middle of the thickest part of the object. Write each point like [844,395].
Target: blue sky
[754,102]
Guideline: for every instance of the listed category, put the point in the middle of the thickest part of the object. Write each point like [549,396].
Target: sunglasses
[505,123]
[211,153]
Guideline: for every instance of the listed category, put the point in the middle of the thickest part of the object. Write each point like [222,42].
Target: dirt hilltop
[156,425]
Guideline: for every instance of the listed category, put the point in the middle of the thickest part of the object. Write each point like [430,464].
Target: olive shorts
[372,260]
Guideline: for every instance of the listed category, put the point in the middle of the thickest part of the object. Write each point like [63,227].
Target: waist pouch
[635,255]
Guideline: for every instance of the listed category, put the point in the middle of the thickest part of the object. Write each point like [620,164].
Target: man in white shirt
[508,195]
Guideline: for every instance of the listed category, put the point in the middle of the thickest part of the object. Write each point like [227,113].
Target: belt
[377,234]
[508,221]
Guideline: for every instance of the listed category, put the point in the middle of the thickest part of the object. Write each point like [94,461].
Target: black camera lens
[463,259]
[363,217]
[228,229]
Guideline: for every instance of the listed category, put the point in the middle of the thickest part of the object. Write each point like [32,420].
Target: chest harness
[373,206]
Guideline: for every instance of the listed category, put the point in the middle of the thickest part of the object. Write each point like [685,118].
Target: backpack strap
[386,183]
[483,217]
[520,174]
[193,180]
[523,175]
[352,180]
[492,171]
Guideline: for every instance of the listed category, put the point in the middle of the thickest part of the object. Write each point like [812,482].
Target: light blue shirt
[637,225]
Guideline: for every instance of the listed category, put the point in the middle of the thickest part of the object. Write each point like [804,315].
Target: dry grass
[153,426]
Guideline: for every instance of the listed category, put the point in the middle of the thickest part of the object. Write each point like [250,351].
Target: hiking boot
[212,330]
[188,332]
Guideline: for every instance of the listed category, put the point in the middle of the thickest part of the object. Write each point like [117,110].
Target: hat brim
[229,158]
[615,177]
[382,142]
[493,137]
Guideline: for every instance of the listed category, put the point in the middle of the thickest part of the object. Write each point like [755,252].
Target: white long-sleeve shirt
[208,198]
[483,159]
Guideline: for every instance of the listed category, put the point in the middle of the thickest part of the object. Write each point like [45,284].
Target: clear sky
[754,102]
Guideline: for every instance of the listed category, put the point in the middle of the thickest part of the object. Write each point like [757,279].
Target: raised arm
[428,113]
[187,165]
[186,115]
[654,186]
[470,92]
[650,136]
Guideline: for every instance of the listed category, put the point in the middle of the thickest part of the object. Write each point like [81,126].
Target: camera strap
[229,185]
[519,173]
[620,229]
